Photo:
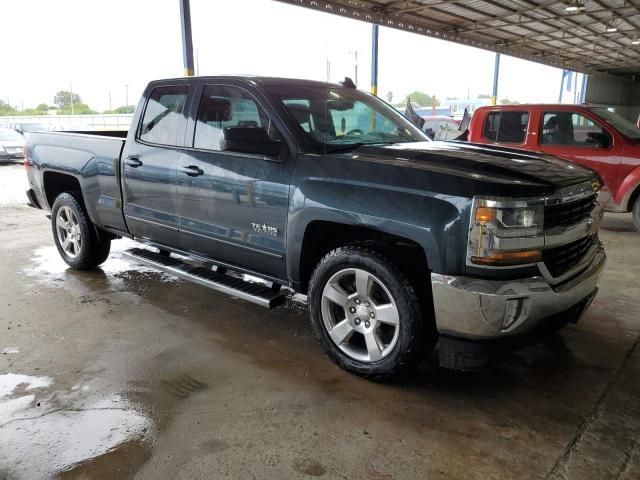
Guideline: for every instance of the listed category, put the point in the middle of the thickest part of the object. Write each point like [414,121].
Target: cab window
[573,129]
[506,127]
[164,120]
[223,106]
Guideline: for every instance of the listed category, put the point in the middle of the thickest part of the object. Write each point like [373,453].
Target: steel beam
[187,40]
[496,74]
[374,59]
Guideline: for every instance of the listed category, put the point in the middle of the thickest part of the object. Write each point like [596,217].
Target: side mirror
[253,140]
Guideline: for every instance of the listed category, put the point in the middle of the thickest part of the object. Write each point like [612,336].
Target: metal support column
[187,41]
[496,74]
[374,59]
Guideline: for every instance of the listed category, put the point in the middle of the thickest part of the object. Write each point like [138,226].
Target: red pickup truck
[588,135]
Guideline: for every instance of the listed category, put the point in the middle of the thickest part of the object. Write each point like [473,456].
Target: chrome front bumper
[488,309]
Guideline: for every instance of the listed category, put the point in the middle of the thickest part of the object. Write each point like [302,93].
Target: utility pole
[355,53]
[126,94]
[109,93]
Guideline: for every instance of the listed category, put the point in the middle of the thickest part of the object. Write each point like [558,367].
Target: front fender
[629,185]
[433,222]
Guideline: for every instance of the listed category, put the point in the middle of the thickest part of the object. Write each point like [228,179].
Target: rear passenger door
[150,162]
[506,127]
[233,206]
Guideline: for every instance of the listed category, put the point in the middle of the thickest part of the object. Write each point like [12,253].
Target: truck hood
[519,169]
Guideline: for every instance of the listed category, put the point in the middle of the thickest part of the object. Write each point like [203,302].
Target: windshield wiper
[344,148]
[352,146]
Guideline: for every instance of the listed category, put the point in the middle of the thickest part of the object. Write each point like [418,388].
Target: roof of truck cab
[520,106]
[271,81]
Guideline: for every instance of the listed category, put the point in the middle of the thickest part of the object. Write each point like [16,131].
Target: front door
[581,139]
[233,206]
[150,163]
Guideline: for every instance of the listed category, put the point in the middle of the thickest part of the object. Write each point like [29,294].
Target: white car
[11,145]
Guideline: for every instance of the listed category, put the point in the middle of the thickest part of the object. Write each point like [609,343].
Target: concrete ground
[124,372]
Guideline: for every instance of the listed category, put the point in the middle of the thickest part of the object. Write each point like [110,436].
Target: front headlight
[504,233]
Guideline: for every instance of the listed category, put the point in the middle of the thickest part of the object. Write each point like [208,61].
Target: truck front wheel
[365,313]
[75,236]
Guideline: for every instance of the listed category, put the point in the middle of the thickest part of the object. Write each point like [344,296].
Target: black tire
[410,340]
[635,212]
[92,251]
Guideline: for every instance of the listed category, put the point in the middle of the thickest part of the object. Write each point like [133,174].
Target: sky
[98,47]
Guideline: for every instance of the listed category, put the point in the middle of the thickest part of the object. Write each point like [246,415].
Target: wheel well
[321,237]
[56,183]
[632,198]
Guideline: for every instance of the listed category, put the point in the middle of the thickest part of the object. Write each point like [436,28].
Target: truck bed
[94,159]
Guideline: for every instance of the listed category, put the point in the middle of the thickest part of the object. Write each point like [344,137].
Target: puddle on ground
[48,267]
[16,394]
[61,436]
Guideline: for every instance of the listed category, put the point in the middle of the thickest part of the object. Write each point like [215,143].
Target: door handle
[192,170]
[134,162]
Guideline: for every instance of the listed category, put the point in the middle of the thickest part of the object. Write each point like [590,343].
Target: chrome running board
[217,280]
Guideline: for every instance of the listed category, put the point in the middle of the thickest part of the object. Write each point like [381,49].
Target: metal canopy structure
[583,35]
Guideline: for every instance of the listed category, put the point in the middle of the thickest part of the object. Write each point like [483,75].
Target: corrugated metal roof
[539,30]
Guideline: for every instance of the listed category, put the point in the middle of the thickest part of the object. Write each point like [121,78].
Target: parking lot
[124,372]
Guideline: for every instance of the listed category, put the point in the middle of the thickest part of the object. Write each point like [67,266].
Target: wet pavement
[125,372]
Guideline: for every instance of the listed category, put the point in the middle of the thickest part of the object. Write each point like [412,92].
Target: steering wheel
[355,131]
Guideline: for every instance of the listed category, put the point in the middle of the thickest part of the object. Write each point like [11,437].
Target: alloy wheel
[360,315]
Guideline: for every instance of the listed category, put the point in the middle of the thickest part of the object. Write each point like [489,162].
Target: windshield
[341,119]
[621,124]
[10,136]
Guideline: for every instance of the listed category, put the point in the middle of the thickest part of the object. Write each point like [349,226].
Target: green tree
[78,109]
[389,97]
[125,109]
[63,98]
[423,99]
[6,109]
[43,107]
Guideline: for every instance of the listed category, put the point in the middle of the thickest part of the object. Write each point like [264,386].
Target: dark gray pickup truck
[405,248]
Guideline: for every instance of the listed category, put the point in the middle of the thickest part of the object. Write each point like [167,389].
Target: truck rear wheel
[635,211]
[75,236]
[365,313]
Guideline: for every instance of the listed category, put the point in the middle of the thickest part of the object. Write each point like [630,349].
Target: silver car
[11,145]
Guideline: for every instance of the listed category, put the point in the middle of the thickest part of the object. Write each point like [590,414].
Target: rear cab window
[164,121]
[506,126]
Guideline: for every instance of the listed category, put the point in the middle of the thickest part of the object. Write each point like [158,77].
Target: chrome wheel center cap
[362,312]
